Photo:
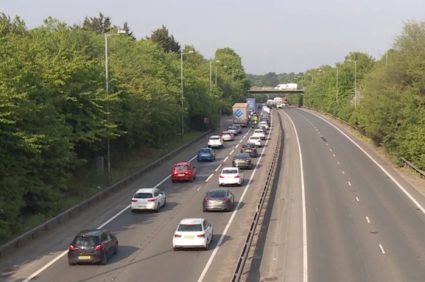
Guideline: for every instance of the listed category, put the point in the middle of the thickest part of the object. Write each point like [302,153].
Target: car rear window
[181,167]
[214,138]
[143,195]
[217,194]
[190,227]
[230,171]
[205,151]
[86,241]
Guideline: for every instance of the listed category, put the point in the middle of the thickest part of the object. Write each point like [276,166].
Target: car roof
[91,232]
[192,221]
[230,167]
[182,163]
[146,190]
[215,136]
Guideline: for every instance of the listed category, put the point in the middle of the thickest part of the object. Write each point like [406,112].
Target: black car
[92,246]
[242,160]
[251,149]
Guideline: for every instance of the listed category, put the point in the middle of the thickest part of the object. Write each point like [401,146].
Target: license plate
[189,237]
[180,174]
[84,257]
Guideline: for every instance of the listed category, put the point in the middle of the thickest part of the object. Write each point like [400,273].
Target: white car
[215,141]
[148,199]
[230,176]
[227,136]
[256,140]
[263,124]
[193,233]
[260,133]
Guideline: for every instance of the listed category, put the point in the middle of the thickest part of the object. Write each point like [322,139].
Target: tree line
[384,98]
[55,114]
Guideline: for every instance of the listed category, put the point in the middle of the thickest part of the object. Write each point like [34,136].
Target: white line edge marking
[54,260]
[220,241]
[367,219]
[382,249]
[378,165]
[225,159]
[218,167]
[305,249]
[209,177]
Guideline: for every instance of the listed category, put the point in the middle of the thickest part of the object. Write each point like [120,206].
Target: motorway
[145,249]
[339,213]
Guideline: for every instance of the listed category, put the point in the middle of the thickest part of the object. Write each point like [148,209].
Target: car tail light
[237,176]
[151,200]
[98,248]
[134,200]
[227,200]
[221,176]
[71,248]
[177,236]
[201,235]
[205,199]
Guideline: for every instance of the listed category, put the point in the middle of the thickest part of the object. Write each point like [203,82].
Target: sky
[269,35]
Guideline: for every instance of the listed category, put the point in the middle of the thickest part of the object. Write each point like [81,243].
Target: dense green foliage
[55,115]
[390,103]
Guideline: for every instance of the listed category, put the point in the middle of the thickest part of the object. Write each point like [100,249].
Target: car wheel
[173,181]
[70,262]
[156,208]
[104,259]
[165,202]
[116,249]
[204,210]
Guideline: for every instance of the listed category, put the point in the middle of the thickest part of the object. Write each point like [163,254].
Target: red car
[183,171]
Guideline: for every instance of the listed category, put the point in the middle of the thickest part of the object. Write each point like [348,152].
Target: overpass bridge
[295,96]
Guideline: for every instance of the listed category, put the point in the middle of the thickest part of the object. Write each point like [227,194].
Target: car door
[208,231]
[105,238]
[193,168]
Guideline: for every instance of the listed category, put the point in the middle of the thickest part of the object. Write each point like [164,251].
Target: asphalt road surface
[339,213]
[145,239]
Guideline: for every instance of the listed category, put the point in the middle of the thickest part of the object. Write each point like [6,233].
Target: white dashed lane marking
[382,249]
[218,167]
[367,219]
[225,159]
[209,177]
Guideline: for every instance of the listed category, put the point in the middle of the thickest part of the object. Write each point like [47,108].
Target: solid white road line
[404,190]
[209,177]
[58,257]
[220,241]
[304,215]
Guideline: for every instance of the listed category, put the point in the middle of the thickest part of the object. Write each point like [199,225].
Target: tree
[99,24]
[165,40]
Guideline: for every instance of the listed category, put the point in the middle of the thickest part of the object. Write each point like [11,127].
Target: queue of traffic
[97,245]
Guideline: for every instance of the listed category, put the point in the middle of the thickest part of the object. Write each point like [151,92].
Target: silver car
[218,199]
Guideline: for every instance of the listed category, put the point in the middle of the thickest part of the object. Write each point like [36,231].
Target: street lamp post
[355,84]
[337,83]
[181,86]
[108,141]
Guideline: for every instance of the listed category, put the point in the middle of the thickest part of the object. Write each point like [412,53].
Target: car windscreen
[190,227]
[217,194]
[86,241]
[143,195]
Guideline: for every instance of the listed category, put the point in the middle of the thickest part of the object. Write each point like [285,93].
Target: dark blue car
[206,154]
